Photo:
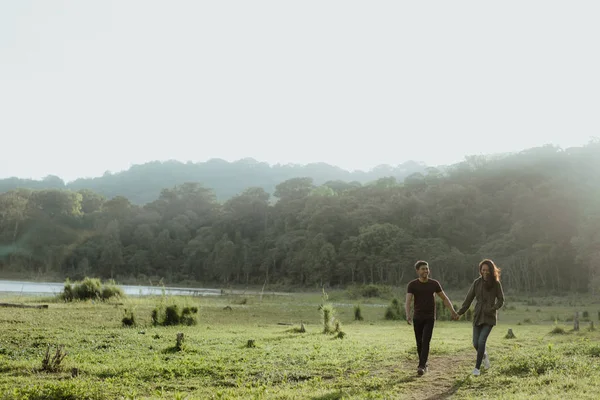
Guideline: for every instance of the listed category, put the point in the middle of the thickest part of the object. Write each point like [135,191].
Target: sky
[94,86]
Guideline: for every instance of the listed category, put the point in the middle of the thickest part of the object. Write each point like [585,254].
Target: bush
[395,312]
[90,289]
[370,291]
[171,316]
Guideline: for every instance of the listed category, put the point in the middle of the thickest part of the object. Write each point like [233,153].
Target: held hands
[455,316]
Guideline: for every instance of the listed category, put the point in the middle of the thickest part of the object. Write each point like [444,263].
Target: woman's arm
[468,300]
[499,297]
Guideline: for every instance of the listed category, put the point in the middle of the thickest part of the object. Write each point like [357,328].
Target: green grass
[376,358]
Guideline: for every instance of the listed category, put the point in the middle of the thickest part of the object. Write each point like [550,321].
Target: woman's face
[485,271]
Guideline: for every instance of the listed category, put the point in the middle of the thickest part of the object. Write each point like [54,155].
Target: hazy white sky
[90,86]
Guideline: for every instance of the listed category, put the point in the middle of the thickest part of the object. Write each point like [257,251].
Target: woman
[490,298]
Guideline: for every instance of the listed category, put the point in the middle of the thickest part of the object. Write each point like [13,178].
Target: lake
[48,288]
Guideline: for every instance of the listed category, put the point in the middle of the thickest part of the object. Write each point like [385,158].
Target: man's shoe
[420,371]
[476,372]
[486,361]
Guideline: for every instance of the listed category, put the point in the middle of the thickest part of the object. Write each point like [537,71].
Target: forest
[536,213]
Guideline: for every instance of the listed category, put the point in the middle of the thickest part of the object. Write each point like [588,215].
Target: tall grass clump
[358,313]
[91,289]
[395,311]
[330,324]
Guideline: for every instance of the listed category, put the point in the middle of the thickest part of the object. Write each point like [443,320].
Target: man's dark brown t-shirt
[424,300]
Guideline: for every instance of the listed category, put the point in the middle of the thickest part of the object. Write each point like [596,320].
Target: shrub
[90,289]
[369,291]
[170,316]
[358,313]
[394,311]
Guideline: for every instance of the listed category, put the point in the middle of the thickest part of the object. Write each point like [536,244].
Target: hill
[142,184]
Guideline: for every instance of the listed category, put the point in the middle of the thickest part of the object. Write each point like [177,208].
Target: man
[422,290]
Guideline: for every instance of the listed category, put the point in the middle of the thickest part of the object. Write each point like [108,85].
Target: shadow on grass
[451,391]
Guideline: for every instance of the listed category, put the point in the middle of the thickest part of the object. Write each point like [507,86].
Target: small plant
[558,331]
[327,312]
[128,318]
[338,327]
[179,341]
[53,364]
[357,313]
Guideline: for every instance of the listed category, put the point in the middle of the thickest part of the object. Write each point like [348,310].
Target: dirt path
[440,382]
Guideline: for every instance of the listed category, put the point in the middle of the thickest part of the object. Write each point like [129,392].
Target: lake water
[52,288]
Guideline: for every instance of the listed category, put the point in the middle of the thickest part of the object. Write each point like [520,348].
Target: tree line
[536,213]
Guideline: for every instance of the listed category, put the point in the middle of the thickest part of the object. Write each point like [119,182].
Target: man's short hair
[419,263]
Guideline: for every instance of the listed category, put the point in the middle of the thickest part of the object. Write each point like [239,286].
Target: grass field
[375,360]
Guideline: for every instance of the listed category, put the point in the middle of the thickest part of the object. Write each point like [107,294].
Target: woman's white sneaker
[486,361]
[476,372]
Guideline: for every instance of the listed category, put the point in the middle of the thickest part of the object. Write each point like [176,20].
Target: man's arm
[409,300]
[447,303]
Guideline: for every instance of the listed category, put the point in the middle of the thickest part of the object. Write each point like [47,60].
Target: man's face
[423,271]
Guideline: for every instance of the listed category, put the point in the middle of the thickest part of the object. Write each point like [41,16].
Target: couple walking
[490,298]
